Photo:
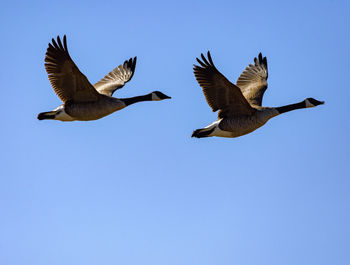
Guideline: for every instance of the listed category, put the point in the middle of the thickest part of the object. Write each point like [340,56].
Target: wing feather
[117,78]
[65,77]
[219,92]
[253,80]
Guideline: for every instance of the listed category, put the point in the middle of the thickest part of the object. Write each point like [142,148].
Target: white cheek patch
[155,97]
[308,104]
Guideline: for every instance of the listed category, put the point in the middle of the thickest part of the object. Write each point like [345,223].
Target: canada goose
[240,110]
[81,100]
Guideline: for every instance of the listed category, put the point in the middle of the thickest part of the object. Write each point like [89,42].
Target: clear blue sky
[133,188]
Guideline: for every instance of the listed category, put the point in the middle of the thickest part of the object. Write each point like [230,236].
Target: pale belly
[242,125]
[237,127]
[87,111]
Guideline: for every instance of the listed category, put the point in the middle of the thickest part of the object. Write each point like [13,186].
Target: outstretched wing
[65,77]
[219,92]
[117,78]
[253,80]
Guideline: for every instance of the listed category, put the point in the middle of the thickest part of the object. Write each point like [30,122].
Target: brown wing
[219,92]
[66,79]
[117,78]
[253,80]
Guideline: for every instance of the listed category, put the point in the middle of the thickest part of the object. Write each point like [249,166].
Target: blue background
[133,187]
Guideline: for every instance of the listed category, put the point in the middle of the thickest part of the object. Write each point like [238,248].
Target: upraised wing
[65,77]
[117,78]
[253,80]
[219,92]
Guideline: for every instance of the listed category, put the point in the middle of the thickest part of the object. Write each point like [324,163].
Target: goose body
[240,110]
[81,100]
[85,111]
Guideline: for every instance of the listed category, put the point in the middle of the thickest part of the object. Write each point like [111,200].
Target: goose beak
[314,102]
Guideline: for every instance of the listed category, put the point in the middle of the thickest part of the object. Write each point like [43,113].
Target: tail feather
[50,115]
[200,133]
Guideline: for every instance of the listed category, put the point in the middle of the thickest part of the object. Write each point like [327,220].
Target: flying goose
[81,100]
[239,106]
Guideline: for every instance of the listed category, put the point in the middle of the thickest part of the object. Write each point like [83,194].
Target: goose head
[157,95]
[311,102]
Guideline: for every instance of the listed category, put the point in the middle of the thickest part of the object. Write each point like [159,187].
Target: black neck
[300,105]
[129,101]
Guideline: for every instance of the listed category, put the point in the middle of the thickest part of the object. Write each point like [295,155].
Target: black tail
[200,133]
[50,115]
